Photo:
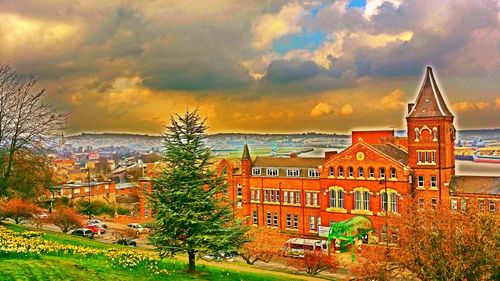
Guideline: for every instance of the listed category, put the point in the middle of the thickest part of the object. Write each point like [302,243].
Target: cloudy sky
[255,66]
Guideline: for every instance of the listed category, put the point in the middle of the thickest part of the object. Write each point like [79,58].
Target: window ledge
[362,212]
[313,206]
[340,177]
[336,210]
[254,201]
[426,163]
[433,188]
[292,229]
[272,203]
[420,187]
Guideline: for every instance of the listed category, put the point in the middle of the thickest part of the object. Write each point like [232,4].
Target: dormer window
[313,173]
[256,172]
[292,172]
[272,172]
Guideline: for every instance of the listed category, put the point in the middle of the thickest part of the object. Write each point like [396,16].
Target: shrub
[314,262]
[66,219]
[20,210]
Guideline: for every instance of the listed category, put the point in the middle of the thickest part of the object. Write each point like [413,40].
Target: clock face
[360,156]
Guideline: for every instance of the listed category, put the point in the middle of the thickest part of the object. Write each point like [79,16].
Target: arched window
[239,190]
[351,172]
[382,173]
[224,171]
[357,200]
[393,173]
[341,172]
[371,172]
[434,134]
[331,172]
[361,172]
[417,134]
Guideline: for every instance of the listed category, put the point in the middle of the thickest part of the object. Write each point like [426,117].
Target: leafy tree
[66,219]
[30,175]
[190,216]
[265,245]
[19,210]
[436,244]
[314,262]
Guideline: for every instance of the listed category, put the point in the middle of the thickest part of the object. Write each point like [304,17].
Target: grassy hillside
[99,265]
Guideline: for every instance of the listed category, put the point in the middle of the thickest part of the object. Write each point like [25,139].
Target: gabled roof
[475,185]
[388,151]
[292,162]
[430,102]
[393,151]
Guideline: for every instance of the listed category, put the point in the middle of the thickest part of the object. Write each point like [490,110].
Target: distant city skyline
[264,67]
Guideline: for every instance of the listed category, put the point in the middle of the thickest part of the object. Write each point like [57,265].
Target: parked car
[126,242]
[83,232]
[139,229]
[98,222]
[96,228]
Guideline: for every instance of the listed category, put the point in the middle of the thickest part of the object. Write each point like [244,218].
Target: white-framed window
[106,186]
[331,171]
[393,173]
[311,223]
[389,202]
[371,172]
[275,219]
[463,204]
[492,205]
[272,172]
[433,182]
[350,172]
[224,171]
[433,157]
[292,172]
[361,172]
[481,204]
[311,198]
[288,221]
[239,190]
[313,173]
[341,172]
[269,219]
[295,221]
[427,157]
[291,197]
[76,191]
[87,189]
[337,198]
[256,171]
[255,216]
[382,173]
[361,199]
[272,195]
[255,194]
[434,134]
[420,181]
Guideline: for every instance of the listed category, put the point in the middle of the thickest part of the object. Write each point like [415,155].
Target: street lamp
[90,189]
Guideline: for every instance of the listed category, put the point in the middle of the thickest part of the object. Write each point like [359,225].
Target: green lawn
[97,267]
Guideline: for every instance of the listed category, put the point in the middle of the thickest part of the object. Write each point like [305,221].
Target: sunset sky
[255,66]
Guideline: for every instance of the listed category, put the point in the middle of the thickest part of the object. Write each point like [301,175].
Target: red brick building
[378,174]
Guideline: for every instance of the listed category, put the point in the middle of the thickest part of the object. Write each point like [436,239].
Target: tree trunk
[192,261]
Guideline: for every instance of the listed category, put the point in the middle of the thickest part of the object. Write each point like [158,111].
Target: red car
[96,228]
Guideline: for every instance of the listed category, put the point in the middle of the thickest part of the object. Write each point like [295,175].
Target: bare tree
[26,121]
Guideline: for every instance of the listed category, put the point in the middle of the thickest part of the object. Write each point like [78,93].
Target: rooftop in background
[475,185]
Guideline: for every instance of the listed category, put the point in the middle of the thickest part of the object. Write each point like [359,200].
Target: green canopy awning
[349,230]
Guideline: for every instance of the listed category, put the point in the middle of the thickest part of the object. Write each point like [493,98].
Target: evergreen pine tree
[191,215]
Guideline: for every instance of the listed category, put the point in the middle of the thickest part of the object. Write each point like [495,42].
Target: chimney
[410,107]
[293,155]
[330,154]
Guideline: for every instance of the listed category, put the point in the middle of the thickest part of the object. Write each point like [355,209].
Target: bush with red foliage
[19,210]
[265,245]
[314,262]
[66,219]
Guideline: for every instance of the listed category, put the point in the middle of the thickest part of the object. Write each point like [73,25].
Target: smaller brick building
[97,191]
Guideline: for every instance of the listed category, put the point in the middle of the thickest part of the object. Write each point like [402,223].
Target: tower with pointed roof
[431,138]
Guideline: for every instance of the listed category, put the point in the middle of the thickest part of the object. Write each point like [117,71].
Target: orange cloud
[464,106]
[346,109]
[392,100]
[321,108]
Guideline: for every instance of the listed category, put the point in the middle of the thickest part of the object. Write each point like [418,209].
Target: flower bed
[30,244]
